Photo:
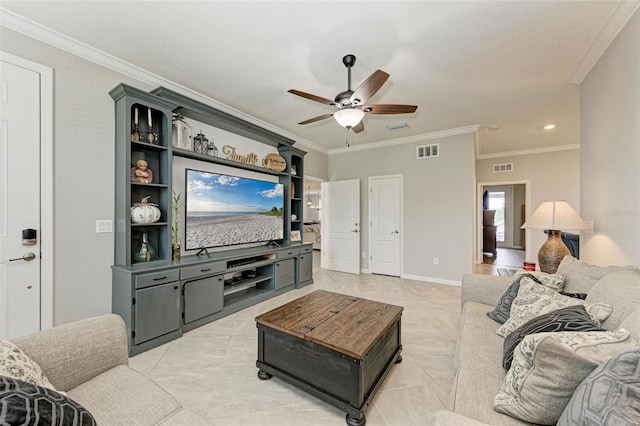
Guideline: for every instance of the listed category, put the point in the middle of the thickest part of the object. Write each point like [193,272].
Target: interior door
[19,200]
[341,226]
[501,200]
[384,220]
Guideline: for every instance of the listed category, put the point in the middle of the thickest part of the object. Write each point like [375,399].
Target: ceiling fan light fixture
[348,117]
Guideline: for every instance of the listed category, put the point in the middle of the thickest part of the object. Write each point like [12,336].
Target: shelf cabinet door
[203,297]
[306,267]
[285,273]
[156,311]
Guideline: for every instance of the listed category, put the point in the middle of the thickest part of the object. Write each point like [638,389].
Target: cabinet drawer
[147,280]
[306,249]
[290,252]
[202,270]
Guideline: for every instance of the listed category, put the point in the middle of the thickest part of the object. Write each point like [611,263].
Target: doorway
[26,93]
[341,226]
[385,225]
[502,209]
[312,225]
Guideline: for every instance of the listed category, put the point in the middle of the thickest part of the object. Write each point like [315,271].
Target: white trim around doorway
[527,196]
[46,183]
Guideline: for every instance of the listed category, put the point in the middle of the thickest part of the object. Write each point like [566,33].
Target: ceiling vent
[504,167]
[397,126]
[428,151]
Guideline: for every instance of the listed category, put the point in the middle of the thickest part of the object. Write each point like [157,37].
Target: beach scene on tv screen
[224,210]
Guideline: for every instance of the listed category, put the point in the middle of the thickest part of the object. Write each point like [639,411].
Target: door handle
[28,257]
[395,232]
[354,230]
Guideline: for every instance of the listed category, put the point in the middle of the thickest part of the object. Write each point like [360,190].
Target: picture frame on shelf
[295,236]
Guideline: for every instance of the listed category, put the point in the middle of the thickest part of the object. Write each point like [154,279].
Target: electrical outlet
[104,226]
[590,223]
[436,261]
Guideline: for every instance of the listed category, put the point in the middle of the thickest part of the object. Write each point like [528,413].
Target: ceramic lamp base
[552,252]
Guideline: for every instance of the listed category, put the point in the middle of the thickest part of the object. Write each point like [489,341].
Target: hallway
[506,258]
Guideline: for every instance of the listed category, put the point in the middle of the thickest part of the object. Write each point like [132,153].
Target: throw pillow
[608,396]
[548,367]
[502,310]
[572,318]
[534,300]
[15,363]
[581,296]
[581,276]
[620,289]
[23,403]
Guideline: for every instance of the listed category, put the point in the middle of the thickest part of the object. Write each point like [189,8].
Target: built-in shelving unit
[161,298]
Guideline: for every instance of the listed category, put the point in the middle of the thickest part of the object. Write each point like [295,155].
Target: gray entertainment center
[163,297]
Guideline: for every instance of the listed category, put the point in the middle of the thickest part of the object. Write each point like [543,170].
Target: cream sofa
[88,360]
[479,350]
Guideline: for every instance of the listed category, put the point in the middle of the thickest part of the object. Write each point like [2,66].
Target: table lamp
[554,216]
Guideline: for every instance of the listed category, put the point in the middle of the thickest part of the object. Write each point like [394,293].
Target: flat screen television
[224,210]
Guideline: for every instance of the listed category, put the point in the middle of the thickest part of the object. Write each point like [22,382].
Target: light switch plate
[104,226]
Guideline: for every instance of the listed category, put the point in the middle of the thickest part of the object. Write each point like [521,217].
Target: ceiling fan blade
[358,127]
[318,118]
[389,109]
[312,97]
[369,87]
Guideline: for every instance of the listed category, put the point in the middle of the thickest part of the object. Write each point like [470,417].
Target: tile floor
[212,369]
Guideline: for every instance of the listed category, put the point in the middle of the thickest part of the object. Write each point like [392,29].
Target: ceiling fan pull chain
[346,137]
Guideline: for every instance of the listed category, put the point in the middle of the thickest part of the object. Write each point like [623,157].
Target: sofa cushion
[534,300]
[571,318]
[15,363]
[473,397]
[23,403]
[502,310]
[480,350]
[548,367]
[608,396]
[632,324]
[581,276]
[619,289]
[122,396]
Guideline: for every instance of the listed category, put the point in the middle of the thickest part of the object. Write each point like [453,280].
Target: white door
[19,200]
[341,226]
[384,221]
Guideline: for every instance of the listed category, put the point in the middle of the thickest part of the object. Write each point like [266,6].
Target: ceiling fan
[351,103]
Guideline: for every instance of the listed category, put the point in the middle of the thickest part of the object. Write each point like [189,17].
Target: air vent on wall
[428,151]
[505,167]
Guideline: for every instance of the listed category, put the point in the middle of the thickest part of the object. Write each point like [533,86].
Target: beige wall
[552,176]
[610,152]
[438,203]
[84,175]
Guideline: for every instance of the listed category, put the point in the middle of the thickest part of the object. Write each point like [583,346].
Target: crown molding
[529,151]
[614,25]
[56,39]
[409,139]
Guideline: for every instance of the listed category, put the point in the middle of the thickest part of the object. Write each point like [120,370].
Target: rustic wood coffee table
[336,347]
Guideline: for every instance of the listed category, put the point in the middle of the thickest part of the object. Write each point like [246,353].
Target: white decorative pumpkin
[145,212]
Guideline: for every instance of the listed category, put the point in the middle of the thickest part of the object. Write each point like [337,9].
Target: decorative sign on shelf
[274,162]
[230,152]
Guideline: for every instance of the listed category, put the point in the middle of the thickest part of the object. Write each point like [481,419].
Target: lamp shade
[348,117]
[555,215]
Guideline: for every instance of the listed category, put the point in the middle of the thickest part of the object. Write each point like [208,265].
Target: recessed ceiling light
[493,127]
[397,126]
[550,126]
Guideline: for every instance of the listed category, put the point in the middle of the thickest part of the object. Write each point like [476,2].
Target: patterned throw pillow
[609,395]
[572,318]
[534,300]
[502,310]
[14,363]
[548,367]
[23,403]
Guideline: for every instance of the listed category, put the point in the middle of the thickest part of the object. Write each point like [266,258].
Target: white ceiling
[504,63]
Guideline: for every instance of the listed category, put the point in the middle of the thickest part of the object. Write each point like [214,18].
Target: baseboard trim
[435,280]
